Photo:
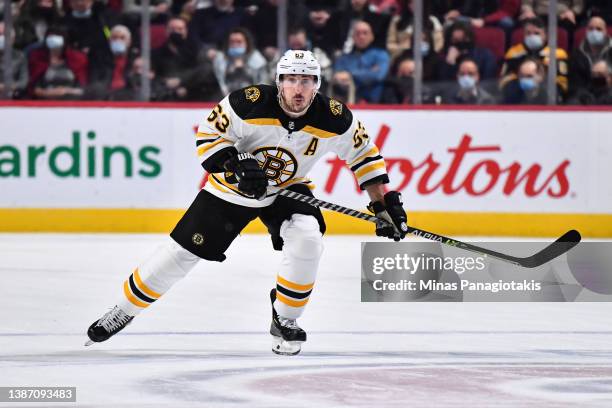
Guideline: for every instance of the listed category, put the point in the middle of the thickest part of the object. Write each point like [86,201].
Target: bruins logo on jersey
[335,107]
[252,93]
[278,164]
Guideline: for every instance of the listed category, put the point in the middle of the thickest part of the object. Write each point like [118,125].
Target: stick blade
[563,244]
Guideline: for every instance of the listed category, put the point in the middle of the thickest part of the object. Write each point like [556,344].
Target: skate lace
[113,319]
[290,323]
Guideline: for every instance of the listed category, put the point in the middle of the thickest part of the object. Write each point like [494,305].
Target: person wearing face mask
[57,71]
[461,43]
[19,67]
[528,87]
[469,91]
[534,46]
[353,12]
[112,78]
[239,63]
[596,45]
[598,91]
[183,67]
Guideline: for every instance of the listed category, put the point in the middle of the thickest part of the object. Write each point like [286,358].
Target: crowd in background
[474,51]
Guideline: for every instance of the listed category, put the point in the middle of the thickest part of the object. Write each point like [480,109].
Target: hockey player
[258,137]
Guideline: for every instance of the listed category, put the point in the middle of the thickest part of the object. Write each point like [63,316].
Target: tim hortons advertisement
[442,161]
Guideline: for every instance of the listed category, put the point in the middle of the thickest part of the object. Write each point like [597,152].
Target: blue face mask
[595,37]
[424,48]
[534,42]
[118,47]
[466,81]
[54,42]
[236,51]
[528,84]
[81,14]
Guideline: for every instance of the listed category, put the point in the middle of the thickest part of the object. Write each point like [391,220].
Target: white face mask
[54,42]
[466,81]
[595,37]
[2,40]
[534,41]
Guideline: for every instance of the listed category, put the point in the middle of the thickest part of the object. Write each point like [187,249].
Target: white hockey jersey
[252,121]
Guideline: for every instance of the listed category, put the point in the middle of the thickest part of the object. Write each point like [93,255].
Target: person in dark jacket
[597,45]
[183,67]
[529,87]
[599,89]
[460,43]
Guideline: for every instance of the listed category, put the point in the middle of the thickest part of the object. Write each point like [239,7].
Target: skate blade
[89,343]
[285,348]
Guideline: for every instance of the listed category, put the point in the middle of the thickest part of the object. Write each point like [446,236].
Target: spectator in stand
[183,68]
[469,91]
[211,25]
[399,84]
[529,87]
[239,64]
[597,45]
[34,19]
[343,88]
[88,24]
[57,71]
[401,27]
[19,66]
[359,10]
[113,78]
[568,11]
[534,46]
[461,43]
[298,40]
[431,60]
[504,16]
[367,64]
[602,8]
[322,30]
[599,89]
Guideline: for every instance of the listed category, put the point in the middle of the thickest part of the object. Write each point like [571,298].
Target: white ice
[206,343]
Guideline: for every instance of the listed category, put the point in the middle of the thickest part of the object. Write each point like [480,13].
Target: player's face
[297,91]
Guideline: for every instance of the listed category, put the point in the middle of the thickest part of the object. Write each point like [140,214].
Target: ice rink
[206,343]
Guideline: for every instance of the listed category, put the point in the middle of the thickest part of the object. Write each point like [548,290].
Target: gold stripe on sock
[294,286]
[290,302]
[128,294]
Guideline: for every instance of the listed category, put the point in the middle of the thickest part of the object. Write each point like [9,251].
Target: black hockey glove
[251,178]
[393,213]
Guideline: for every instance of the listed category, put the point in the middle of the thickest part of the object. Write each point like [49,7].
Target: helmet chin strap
[283,106]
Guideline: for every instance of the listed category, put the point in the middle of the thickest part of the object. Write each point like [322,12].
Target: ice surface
[205,343]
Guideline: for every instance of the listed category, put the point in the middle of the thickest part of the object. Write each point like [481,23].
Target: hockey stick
[563,244]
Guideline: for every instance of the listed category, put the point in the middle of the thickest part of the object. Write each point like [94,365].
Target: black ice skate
[108,325]
[287,336]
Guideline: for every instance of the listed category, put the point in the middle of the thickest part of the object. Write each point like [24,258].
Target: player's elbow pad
[214,164]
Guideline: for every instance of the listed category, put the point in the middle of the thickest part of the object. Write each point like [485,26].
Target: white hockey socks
[302,250]
[155,276]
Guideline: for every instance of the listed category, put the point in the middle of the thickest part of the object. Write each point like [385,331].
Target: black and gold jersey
[252,120]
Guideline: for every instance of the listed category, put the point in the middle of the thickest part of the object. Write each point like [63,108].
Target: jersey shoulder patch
[333,115]
[246,100]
